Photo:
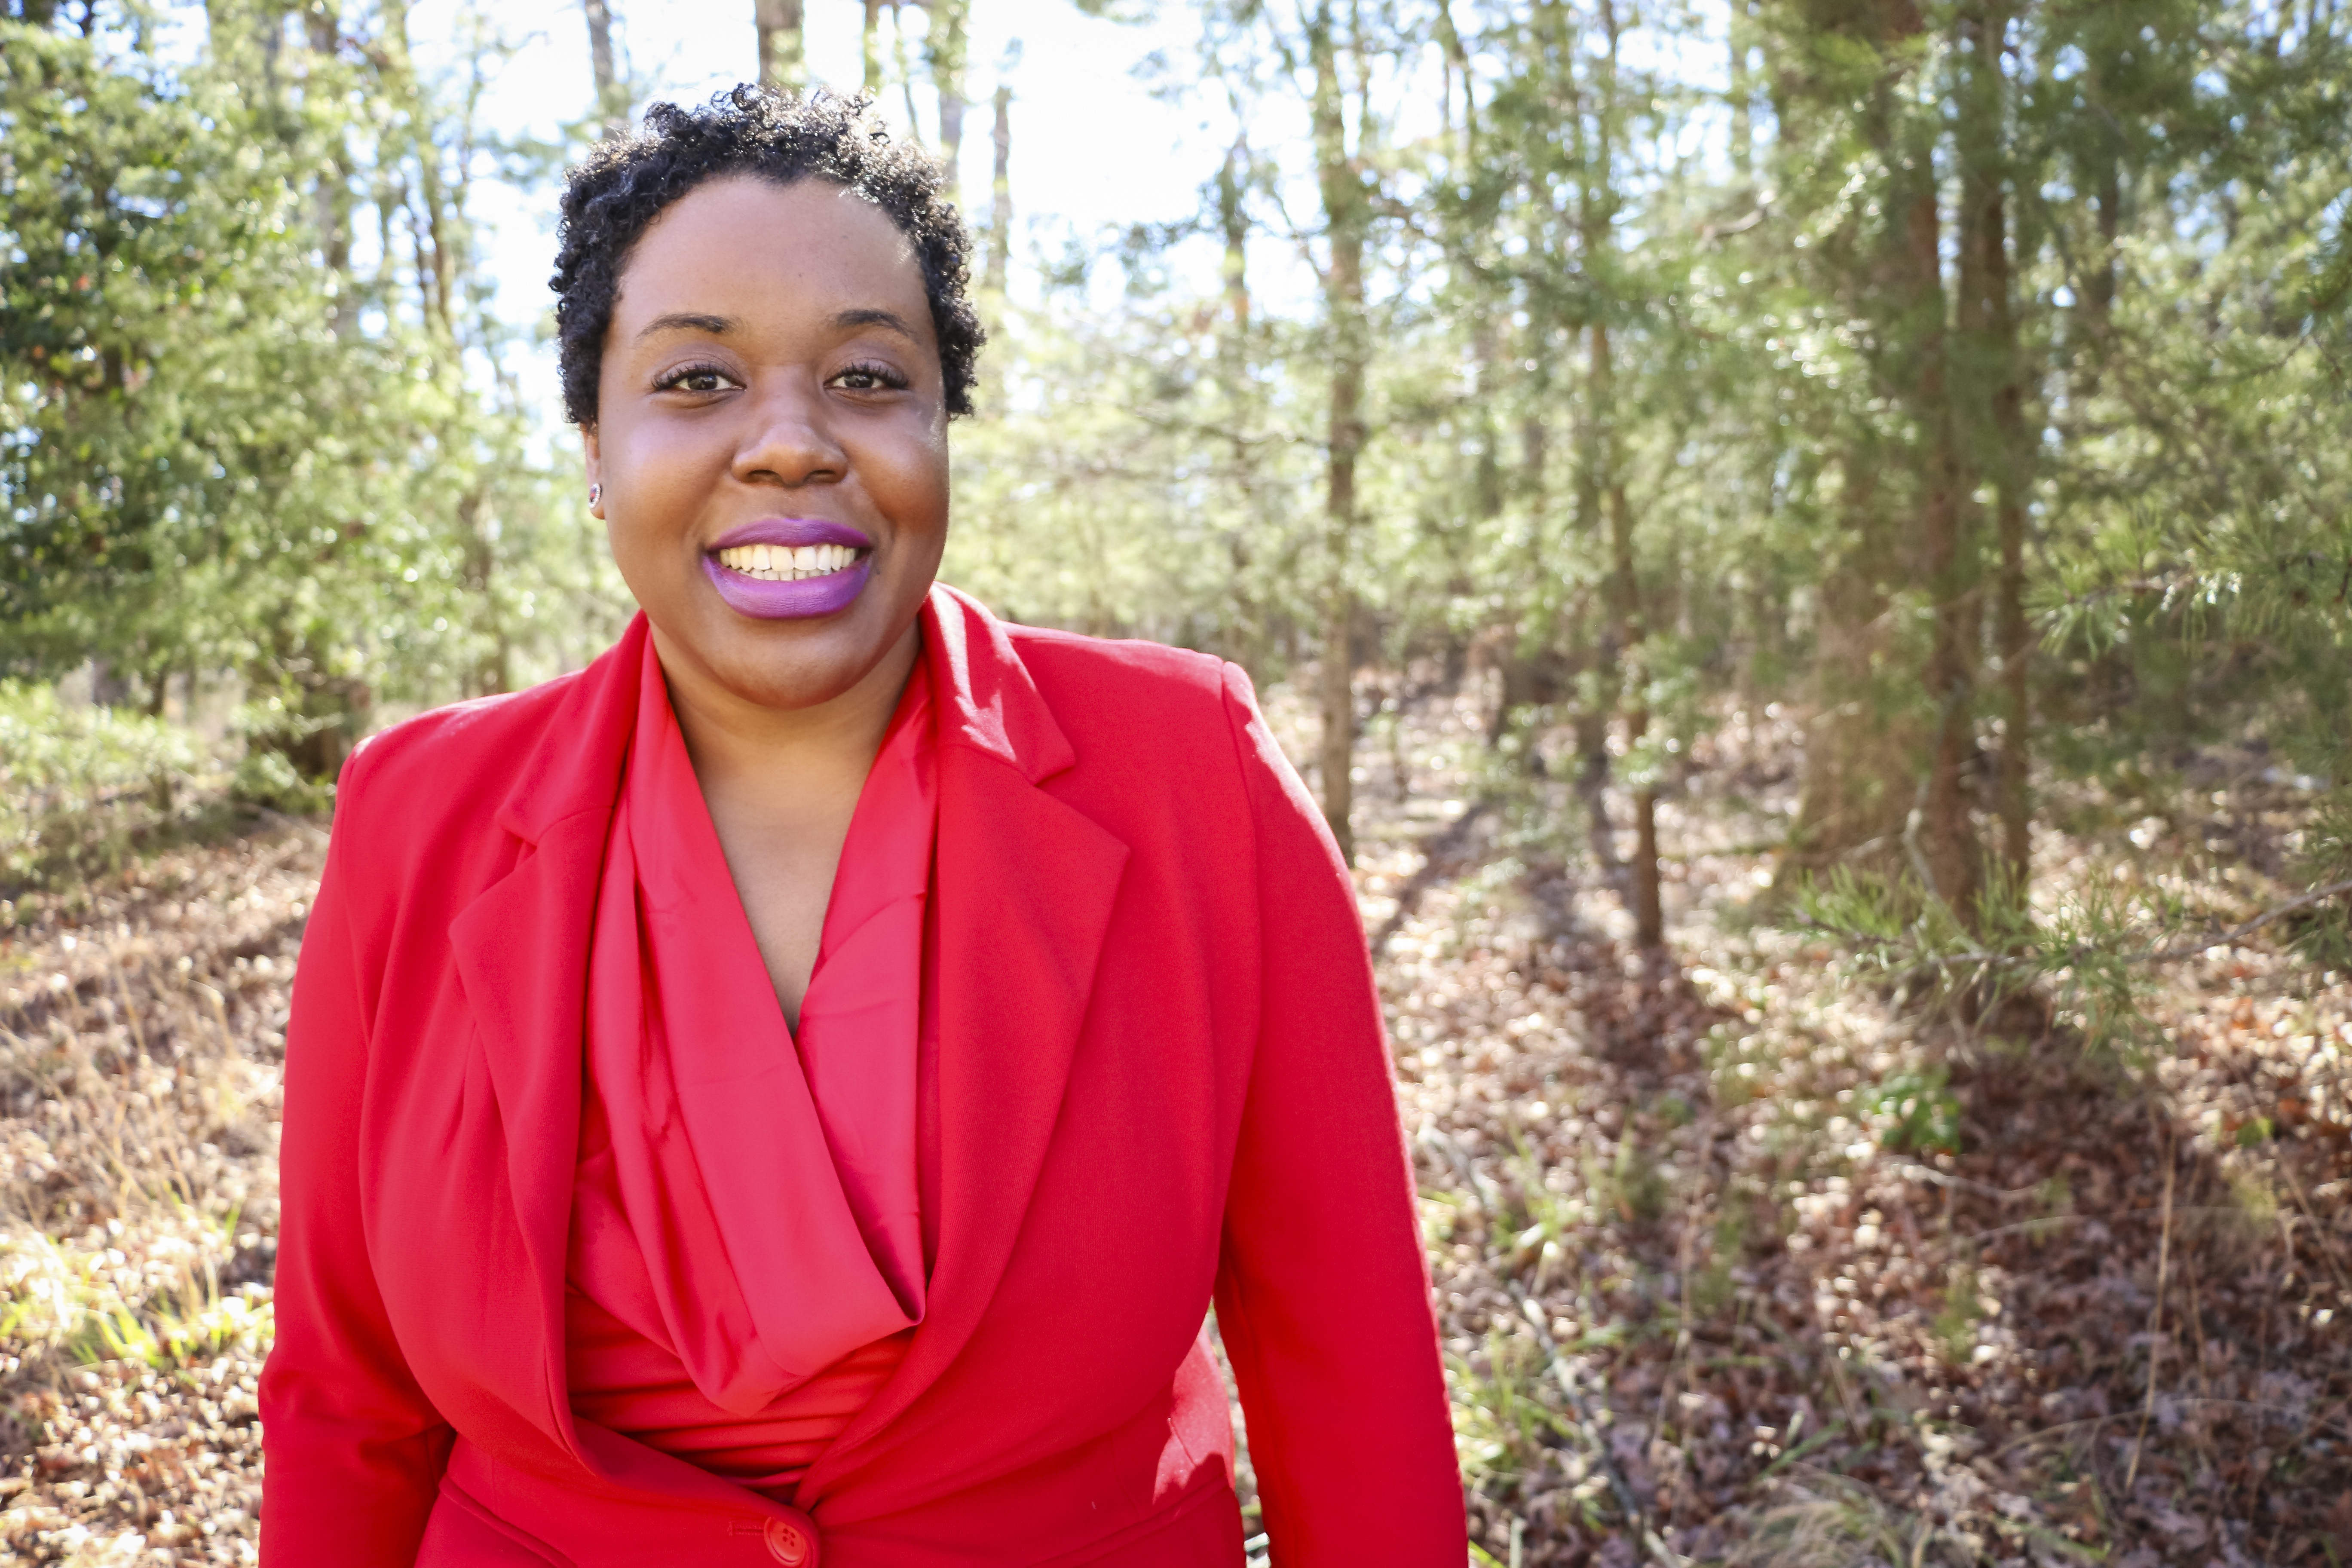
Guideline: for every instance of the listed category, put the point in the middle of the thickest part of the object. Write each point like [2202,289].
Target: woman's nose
[788,441]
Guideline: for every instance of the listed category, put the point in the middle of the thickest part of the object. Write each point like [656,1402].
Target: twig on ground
[2156,1318]
[2319,1231]
[1999,1194]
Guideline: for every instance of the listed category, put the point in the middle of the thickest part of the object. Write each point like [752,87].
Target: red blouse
[746,1262]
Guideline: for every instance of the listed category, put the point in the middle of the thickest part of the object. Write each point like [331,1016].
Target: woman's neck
[785,753]
[782,785]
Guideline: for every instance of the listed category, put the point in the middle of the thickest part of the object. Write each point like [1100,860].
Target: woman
[788,1092]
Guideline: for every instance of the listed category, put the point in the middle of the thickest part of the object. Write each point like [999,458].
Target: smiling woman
[790,1092]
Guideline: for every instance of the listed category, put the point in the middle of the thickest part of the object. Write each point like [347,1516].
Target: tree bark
[1347,220]
[1627,632]
[1743,93]
[783,48]
[1940,831]
[947,44]
[1604,483]
[2012,488]
[1000,214]
[1233,226]
[2005,450]
[872,41]
[612,102]
[1886,766]
[331,201]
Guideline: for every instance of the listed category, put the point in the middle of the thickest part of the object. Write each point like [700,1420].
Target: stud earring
[594,492]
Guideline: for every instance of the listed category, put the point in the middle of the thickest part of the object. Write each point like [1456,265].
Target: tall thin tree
[612,98]
[782,62]
[1347,222]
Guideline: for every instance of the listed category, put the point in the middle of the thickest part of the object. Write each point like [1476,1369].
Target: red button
[787,1543]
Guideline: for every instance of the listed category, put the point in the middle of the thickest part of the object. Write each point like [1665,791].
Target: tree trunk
[872,41]
[1743,93]
[1245,624]
[1346,219]
[1886,767]
[946,44]
[431,222]
[612,102]
[1941,835]
[1627,632]
[2005,452]
[905,72]
[783,48]
[1858,748]
[332,199]
[1233,225]
[2012,487]
[1000,215]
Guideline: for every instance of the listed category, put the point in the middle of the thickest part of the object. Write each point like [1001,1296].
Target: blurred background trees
[1965,376]
[257,422]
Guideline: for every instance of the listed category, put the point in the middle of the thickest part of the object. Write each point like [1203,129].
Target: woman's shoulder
[1117,666]
[1137,711]
[1147,698]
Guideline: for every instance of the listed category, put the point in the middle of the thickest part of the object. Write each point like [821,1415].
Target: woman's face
[771,440]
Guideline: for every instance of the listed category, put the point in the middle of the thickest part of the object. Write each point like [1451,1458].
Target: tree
[611,97]
[782,62]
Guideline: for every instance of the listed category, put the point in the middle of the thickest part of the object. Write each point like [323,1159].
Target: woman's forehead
[812,244]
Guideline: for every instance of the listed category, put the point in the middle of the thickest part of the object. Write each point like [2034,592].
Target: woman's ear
[594,469]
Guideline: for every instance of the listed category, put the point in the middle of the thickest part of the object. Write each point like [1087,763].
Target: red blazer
[1161,1073]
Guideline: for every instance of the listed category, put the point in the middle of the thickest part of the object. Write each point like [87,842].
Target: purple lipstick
[773,599]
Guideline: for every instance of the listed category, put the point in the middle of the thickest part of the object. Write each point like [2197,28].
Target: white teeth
[781,564]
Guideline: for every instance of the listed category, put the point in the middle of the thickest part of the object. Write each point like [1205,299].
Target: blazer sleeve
[354,1450]
[1323,1292]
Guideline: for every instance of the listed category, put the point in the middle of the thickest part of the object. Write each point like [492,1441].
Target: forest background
[1801,543]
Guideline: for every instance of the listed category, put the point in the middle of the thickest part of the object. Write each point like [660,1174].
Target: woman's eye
[695,378]
[868,378]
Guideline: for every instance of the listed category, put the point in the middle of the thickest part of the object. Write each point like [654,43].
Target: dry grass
[141,1034]
[1702,1251]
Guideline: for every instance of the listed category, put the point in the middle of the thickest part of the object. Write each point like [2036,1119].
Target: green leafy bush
[78,786]
[267,779]
[1915,1112]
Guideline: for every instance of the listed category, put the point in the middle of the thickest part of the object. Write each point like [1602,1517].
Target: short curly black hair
[613,197]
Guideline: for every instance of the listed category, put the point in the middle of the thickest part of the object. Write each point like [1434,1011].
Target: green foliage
[264,778]
[1915,1113]
[78,786]
[225,444]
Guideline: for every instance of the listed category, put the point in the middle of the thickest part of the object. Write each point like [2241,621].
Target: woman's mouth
[787,568]
[784,564]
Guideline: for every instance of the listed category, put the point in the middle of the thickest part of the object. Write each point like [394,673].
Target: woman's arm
[1323,1295]
[354,1449]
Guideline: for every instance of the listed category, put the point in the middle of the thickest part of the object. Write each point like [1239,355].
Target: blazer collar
[989,701]
[574,766]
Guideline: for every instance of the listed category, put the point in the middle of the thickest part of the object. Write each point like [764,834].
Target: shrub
[79,786]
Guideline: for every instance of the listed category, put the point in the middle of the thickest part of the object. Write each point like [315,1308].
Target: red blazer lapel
[520,950]
[1026,887]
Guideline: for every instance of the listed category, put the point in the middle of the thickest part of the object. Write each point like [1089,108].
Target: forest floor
[1725,1241]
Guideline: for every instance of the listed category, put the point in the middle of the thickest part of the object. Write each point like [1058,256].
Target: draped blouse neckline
[748,1200]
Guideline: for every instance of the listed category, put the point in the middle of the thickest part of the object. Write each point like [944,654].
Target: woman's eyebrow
[688,321]
[843,321]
